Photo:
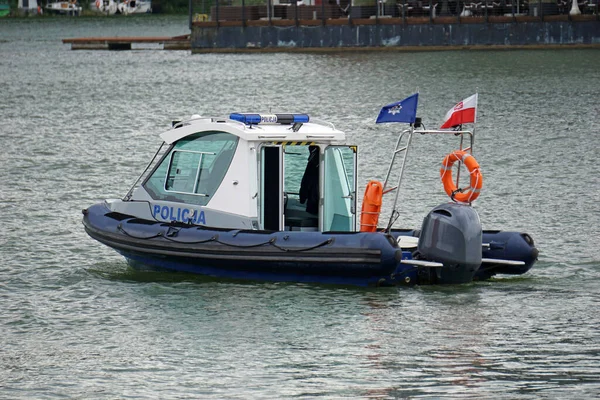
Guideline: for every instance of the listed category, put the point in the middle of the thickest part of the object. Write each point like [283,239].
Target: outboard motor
[451,234]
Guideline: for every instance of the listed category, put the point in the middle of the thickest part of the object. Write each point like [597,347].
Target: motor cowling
[451,234]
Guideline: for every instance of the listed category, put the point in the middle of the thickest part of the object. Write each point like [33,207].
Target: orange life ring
[466,195]
[371,206]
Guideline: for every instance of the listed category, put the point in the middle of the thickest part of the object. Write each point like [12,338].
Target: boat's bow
[356,258]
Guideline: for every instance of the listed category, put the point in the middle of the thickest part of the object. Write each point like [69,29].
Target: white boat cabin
[277,172]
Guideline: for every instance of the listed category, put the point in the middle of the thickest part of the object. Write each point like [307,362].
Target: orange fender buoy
[371,206]
[466,195]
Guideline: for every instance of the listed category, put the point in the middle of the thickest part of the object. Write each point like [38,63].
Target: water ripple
[78,127]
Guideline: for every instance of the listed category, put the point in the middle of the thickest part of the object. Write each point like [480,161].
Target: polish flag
[463,113]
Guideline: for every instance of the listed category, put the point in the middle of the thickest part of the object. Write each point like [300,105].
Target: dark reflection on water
[77,322]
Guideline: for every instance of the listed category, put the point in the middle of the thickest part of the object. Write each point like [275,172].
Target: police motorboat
[273,198]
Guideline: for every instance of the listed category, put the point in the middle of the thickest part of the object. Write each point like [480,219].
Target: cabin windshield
[193,169]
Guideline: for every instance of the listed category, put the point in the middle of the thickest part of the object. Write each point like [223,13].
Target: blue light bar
[254,119]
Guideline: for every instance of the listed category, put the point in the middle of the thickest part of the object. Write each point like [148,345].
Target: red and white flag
[463,113]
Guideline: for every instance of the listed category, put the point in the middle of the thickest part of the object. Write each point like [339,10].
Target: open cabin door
[339,189]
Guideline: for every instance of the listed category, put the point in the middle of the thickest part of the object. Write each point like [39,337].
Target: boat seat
[297,217]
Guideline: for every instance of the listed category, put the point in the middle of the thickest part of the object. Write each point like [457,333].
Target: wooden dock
[130,43]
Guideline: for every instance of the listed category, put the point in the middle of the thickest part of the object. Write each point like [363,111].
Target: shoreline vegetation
[163,7]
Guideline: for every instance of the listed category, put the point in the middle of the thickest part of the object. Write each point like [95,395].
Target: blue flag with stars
[400,111]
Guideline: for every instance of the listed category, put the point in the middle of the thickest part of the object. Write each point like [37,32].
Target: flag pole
[400,111]
[460,128]
[472,137]
[475,119]
[410,135]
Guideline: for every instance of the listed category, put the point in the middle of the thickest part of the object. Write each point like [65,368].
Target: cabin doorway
[307,188]
[272,204]
[290,187]
[302,186]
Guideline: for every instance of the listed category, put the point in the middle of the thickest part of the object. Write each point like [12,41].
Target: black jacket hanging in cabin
[309,187]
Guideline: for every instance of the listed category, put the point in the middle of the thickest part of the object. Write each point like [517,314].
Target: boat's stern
[451,234]
[447,250]
[509,253]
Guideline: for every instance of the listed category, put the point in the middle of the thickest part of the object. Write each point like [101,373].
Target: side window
[189,172]
[193,168]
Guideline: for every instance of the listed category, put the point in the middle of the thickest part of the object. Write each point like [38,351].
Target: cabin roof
[313,131]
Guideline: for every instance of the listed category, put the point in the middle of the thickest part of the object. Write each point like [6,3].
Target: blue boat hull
[354,258]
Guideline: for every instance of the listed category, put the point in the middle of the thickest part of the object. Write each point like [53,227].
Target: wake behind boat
[272,197]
